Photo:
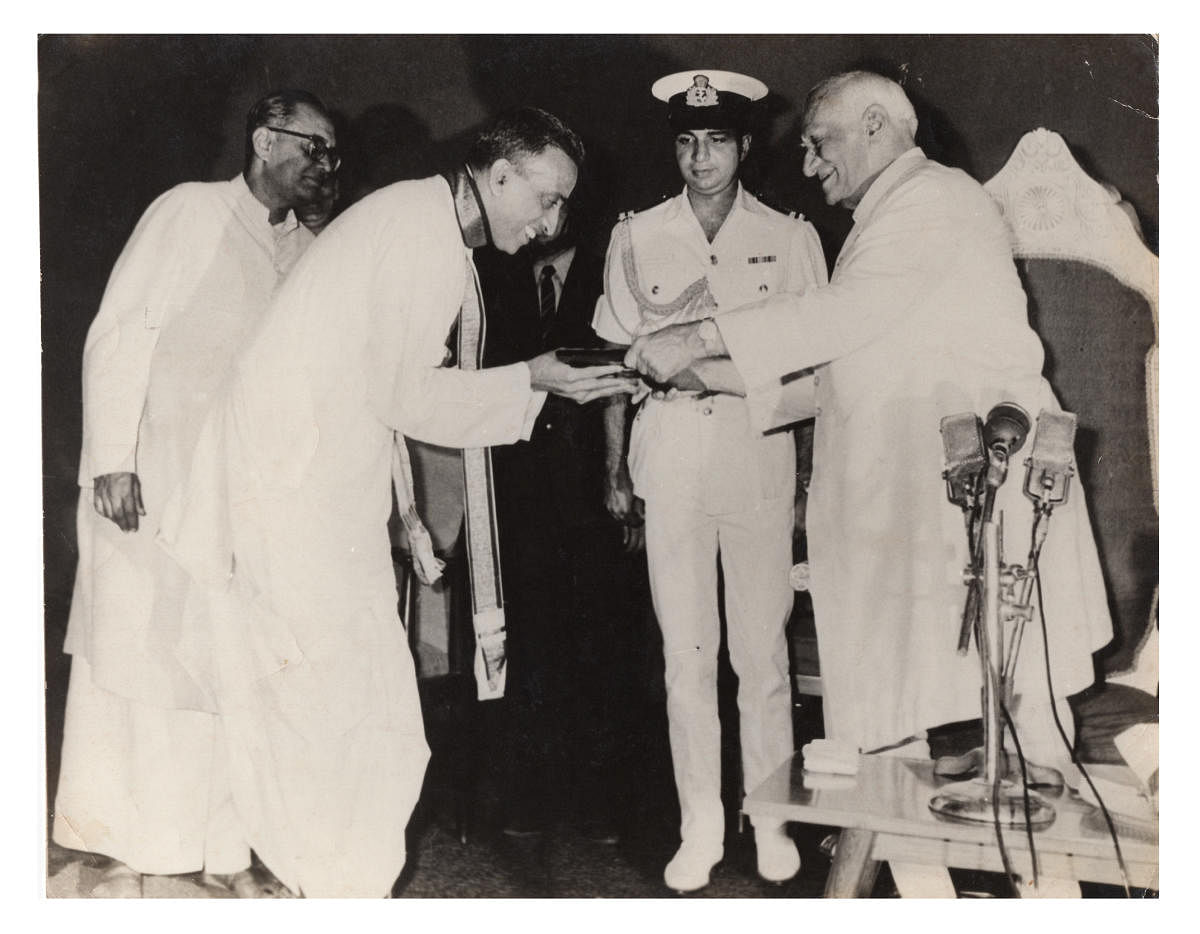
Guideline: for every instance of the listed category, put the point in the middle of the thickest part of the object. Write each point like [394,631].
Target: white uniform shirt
[756,254]
[656,257]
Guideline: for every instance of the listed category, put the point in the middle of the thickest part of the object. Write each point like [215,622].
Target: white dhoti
[145,785]
[327,814]
[319,704]
[143,774]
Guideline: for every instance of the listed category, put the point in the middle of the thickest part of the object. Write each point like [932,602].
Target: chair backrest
[1093,293]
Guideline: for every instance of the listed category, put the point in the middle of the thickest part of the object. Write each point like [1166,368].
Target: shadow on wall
[600,87]
[936,135]
[386,143]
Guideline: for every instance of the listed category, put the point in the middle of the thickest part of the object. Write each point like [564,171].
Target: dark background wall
[121,119]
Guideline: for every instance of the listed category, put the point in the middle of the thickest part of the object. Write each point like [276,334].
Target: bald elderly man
[924,317]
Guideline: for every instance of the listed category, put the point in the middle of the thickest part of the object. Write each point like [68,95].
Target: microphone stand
[991,605]
[992,796]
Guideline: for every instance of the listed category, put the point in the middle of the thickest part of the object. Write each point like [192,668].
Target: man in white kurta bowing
[313,674]
[924,317]
[142,778]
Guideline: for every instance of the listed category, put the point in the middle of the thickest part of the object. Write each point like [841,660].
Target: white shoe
[778,859]
[691,867]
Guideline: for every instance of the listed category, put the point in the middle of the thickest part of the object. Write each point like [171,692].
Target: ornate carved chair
[1093,296]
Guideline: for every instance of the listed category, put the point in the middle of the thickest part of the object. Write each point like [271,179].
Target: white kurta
[138,762]
[924,317]
[714,485]
[311,668]
[198,270]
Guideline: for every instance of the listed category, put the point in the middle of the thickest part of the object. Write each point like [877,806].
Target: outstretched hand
[580,384]
[118,496]
[664,353]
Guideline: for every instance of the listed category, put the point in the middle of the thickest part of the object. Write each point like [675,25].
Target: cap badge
[700,94]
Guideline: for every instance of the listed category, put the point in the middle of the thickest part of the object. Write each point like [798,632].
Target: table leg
[853,872]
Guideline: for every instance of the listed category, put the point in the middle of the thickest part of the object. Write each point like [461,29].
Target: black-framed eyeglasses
[316,149]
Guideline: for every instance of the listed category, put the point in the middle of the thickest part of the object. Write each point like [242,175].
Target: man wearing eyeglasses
[143,779]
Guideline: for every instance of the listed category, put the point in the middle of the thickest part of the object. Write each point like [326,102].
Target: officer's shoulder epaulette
[771,204]
[629,215]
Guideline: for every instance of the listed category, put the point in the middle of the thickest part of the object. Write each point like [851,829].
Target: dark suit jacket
[575,602]
[561,468]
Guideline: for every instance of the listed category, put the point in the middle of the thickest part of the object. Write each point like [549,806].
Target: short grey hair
[524,131]
[278,105]
[869,88]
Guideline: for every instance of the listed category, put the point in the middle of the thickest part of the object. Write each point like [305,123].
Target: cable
[1112,830]
[990,677]
[1012,729]
[1004,857]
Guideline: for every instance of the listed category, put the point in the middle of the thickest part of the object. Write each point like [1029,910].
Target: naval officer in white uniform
[713,484]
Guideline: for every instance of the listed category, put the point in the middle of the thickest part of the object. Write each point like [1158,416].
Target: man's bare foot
[118,881]
[247,883]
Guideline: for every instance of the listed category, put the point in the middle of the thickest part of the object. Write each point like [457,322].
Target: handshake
[675,357]
[610,356]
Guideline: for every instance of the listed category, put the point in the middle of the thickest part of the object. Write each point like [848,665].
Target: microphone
[1001,436]
[1051,463]
[1004,432]
[966,464]
[1006,428]
[965,460]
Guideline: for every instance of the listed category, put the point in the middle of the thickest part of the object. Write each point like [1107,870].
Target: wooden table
[884,813]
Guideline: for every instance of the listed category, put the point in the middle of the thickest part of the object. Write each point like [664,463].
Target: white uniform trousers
[145,785]
[755,548]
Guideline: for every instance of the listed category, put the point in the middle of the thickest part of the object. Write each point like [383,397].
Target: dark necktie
[546,298]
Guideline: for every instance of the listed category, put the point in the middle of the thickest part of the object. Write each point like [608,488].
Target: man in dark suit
[576,598]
